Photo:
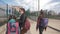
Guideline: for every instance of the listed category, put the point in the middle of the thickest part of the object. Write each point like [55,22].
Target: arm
[37,23]
[22,20]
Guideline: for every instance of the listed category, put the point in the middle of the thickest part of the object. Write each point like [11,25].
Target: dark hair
[41,12]
[12,17]
[23,9]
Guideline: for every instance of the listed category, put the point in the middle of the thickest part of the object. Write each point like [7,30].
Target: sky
[33,4]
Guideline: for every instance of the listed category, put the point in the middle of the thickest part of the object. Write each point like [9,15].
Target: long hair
[23,9]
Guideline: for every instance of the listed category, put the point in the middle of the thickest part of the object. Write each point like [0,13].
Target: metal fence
[3,9]
[6,10]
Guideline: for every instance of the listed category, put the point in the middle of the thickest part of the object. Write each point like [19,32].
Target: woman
[22,19]
[40,23]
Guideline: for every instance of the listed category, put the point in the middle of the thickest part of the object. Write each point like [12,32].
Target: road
[53,28]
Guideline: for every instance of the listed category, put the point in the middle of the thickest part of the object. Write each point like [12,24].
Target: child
[12,25]
[12,19]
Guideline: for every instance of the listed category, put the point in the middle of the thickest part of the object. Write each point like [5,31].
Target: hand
[36,28]
[45,28]
[21,28]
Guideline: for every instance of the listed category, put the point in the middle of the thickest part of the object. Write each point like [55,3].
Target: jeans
[41,29]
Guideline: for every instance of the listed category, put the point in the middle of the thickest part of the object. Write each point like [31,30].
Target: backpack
[43,22]
[27,24]
[46,21]
[26,27]
[12,23]
[12,27]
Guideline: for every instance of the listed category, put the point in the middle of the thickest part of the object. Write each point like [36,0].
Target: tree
[28,12]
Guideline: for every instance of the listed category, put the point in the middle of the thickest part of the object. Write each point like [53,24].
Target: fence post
[7,11]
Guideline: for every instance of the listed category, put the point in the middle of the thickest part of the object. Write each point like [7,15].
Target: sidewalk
[33,28]
[3,29]
[54,23]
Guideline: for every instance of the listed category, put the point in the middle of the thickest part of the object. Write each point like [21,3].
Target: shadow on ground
[54,28]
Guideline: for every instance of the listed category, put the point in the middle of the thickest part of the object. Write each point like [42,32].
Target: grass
[2,23]
[50,17]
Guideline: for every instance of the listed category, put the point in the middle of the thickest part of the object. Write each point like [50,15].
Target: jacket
[22,20]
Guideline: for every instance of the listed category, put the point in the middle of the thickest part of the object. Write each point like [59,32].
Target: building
[52,13]
[2,10]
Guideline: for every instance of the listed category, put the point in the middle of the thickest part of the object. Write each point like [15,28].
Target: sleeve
[23,20]
[38,20]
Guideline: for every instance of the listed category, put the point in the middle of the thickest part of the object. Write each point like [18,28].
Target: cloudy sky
[33,4]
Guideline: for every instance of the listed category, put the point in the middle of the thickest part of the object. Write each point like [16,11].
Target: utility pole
[38,8]
[7,10]
[38,5]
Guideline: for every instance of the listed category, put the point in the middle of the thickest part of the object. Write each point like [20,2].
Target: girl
[12,19]
[40,23]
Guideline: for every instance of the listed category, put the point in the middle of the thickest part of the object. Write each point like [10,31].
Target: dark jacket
[38,22]
[22,20]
